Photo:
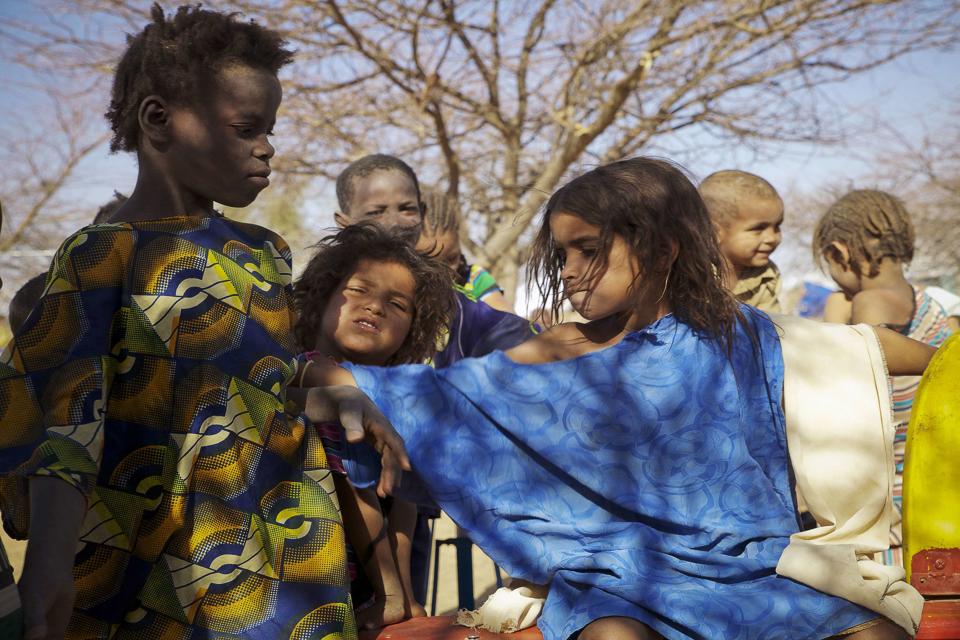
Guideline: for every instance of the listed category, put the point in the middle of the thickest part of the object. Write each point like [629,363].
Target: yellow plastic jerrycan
[931,494]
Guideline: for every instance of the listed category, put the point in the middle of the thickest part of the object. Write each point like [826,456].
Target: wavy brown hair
[336,258]
[654,207]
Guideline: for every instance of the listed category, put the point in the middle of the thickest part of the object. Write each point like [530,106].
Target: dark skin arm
[46,587]
[905,356]
[361,421]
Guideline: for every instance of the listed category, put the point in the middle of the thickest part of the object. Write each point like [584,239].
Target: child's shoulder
[882,305]
[254,229]
[93,237]
[559,342]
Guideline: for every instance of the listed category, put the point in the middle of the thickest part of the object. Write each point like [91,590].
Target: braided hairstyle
[872,224]
[174,57]
[443,212]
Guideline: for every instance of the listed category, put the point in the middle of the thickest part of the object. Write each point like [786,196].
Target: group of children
[181,426]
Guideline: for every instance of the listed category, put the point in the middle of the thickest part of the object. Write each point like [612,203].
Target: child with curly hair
[637,463]
[368,297]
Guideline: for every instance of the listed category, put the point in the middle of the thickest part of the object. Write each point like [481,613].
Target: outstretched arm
[905,356]
[361,420]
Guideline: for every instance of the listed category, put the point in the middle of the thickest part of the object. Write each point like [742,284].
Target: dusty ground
[484,580]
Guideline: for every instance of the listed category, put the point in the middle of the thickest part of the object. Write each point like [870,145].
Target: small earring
[666,281]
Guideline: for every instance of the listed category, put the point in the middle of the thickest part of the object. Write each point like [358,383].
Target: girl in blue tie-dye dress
[636,462]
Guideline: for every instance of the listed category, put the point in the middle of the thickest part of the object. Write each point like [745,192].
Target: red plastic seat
[441,628]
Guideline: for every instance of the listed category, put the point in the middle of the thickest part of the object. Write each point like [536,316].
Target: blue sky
[914,96]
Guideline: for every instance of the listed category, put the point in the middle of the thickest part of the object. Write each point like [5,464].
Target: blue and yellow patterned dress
[152,378]
[649,479]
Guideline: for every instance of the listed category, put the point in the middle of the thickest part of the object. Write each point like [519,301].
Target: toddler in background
[368,297]
[746,212]
[866,239]
[440,238]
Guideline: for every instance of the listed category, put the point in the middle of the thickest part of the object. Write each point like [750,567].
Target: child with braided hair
[440,237]
[866,239]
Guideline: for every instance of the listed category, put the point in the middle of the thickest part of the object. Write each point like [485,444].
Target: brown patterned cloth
[760,287]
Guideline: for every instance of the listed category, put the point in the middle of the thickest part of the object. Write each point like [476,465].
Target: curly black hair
[335,260]
[653,206]
[172,57]
[365,166]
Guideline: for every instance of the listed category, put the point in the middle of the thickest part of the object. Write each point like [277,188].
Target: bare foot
[381,612]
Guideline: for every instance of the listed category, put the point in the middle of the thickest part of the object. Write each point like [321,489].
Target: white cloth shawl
[840,440]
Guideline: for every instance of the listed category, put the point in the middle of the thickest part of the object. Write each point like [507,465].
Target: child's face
[748,240]
[368,316]
[219,149]
[387,198]
[444,246]
[609,294]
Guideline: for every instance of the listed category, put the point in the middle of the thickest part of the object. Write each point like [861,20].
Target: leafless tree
[498,101]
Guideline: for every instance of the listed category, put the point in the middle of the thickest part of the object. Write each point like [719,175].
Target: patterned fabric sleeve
[483,282]
[56,373]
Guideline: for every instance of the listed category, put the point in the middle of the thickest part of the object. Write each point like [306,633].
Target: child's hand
[361,420]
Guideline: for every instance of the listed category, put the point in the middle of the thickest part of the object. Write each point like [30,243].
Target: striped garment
[478,283]
[929,325]
[760,287]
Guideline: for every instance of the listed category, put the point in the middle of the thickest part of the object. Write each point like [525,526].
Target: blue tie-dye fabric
[648,479]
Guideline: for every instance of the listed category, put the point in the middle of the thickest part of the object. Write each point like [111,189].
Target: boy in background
[747,213]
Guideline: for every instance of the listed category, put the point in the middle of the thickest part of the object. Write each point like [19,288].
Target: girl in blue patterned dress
[636,462]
